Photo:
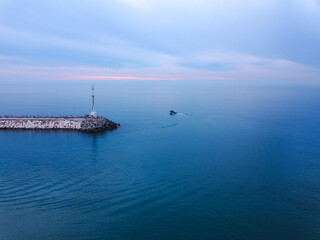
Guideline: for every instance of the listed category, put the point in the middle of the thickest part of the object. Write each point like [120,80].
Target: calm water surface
[241,160]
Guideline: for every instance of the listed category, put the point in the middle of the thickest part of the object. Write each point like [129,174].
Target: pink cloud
[146,78]
[124,78]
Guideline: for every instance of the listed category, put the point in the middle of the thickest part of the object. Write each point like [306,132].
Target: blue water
[241,160]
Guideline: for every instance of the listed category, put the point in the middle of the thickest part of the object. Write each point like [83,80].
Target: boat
[172,112]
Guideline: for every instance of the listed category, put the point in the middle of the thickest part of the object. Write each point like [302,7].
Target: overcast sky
[160,39]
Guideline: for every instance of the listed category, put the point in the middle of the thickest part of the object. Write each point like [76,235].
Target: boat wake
[168,126]
[182,114]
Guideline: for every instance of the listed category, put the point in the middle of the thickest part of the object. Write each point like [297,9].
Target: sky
[275,40]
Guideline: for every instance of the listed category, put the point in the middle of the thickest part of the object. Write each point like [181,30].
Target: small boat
[172,112]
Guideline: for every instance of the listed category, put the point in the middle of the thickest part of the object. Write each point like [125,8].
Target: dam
[86,123]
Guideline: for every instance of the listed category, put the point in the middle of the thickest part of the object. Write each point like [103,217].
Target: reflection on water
[94,147]
[243,164]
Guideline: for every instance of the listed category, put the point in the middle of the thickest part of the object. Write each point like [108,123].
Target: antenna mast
[93,113]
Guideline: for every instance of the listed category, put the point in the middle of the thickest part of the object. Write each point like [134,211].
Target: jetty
[86,123]
[81,123]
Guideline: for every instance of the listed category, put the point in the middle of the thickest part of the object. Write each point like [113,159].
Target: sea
[239,160]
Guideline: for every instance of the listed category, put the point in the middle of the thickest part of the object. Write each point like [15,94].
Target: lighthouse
[93,113]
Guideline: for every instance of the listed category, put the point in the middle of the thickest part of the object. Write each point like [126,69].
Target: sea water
[240,160]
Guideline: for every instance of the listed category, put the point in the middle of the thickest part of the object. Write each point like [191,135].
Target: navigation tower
[93,113]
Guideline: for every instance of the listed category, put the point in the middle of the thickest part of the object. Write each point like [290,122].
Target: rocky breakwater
[80,123]
[98,124]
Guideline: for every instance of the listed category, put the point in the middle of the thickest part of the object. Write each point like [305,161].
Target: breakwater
[81,123]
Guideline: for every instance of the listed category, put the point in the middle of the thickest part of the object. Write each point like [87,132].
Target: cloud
[125,78]
[244,68]
[178,39]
